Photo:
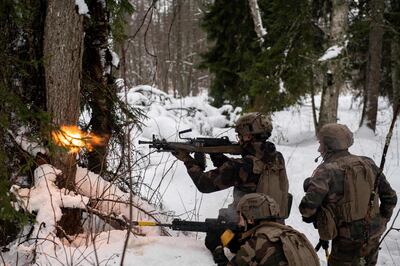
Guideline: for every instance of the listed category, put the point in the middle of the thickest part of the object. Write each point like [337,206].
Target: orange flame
[74,139]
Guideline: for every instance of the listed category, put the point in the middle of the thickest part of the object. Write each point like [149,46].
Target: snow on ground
[166,182]
[295,138]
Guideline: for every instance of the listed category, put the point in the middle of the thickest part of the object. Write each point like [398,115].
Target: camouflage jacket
[271,243]
[326,188]
[238,173]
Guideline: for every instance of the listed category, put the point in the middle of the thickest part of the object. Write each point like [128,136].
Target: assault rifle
[209,225]
[204,145]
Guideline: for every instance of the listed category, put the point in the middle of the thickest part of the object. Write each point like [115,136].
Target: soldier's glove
[322,243]
[200,159]
[182,155]
[310,219]
[219,256]
[218,159]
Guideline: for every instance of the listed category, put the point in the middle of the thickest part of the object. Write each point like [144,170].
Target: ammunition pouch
[326,224]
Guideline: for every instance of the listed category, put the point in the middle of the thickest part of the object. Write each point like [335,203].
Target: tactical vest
[358,184]
[273,182]
[296,247]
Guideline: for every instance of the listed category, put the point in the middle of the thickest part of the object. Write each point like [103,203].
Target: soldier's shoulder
[328,166]
[270,149]
[367,160]
[324,169]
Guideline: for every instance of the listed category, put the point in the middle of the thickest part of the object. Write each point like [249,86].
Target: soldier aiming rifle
[261,168]
[264,241]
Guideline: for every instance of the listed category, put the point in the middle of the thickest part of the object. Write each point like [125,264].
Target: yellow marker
[147,223]
[226,237]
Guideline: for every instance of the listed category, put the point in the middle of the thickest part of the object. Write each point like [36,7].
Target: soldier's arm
[317,188]
[227,175]
[387,196]
[259,250]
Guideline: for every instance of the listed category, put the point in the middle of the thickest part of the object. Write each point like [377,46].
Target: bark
[98,83]
[374,61]
[180,85]
[63,49]
[258,25]
[395,56]
[334,77]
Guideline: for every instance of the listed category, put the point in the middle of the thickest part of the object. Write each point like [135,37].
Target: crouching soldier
[260,169]
[338,200]
[267,242]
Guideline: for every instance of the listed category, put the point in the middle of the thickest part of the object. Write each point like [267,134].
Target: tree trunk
[395,56]
[63,49]
[334,77]
[98,83]
[374,61]
[258,25]
[179,62]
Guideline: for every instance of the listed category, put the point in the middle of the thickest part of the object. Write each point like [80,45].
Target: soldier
[261,169]
[338,197]
[266,241]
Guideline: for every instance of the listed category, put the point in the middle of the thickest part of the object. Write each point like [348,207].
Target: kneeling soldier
[267,242]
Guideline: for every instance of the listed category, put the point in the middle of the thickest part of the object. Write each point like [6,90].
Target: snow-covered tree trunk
[258,25]
[374,61]
[334,75]
[63,50]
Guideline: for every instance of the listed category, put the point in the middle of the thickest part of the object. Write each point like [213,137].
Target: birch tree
[334,67]
[258,25]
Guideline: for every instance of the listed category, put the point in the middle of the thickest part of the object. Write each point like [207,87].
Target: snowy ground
[294,136]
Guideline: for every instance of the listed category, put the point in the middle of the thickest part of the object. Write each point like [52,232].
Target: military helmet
[254,124]
[335,137]
[258,206]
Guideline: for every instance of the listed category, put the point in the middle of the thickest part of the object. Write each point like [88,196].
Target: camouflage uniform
[239,174]
[271,243]
[261,169]
[326,203]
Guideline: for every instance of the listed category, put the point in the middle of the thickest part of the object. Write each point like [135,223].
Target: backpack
[358,185]
[273,182]
[296,247]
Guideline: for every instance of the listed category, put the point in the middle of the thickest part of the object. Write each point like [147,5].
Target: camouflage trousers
[348,253]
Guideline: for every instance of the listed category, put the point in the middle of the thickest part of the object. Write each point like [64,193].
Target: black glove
[219,256]
[218,159]
[322,243]
[235,244]
[200,159]
[310,219]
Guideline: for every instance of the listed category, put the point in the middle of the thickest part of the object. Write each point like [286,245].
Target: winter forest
[83,83]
